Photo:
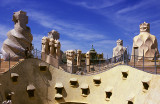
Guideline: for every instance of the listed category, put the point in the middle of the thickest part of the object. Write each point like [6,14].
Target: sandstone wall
[123,89]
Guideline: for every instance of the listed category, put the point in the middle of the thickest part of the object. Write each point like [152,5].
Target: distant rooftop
[92,49]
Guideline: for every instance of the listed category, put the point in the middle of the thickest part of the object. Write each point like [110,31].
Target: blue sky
[82,23]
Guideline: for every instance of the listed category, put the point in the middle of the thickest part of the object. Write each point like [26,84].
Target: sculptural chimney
[119,49]
[79,57]
[88,61]
[144,41]
[70,54]
[19,38]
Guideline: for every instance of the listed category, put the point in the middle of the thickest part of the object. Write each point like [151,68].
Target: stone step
[2,70]
[5,65]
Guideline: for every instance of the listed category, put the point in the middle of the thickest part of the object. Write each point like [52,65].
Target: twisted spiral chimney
[19,38]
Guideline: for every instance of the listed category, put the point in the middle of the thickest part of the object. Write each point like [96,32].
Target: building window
[9,95]
[30,93]
[59,89]
[42,67]
[58,96]
[97,80]
[130,99]
[85,89]
[30,90]
[130,102]
[14,77]
[73,81]
[108,93]
[145,83]
[124,74]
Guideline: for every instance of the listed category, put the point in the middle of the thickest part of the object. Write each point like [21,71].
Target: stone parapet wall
[124,82]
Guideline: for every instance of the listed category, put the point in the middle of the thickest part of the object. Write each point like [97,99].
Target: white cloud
[9,2]
[3,33]
[105,47]
[143,4]
[94,4]
[155,22]
[79,36]
[113,14]
[37,41]
[155,25]
[73,30]
[49,21]
[69,45]
[86,35]
[106,42]
[0,45]
[127,17]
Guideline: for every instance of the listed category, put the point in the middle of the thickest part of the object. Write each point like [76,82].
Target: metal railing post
[9,61]
[99,65]
[123,57]
[134,58]
[107,59]
[143,59]
[0,61]
[155,62]
[112,59]
[127,57]
[36,52]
